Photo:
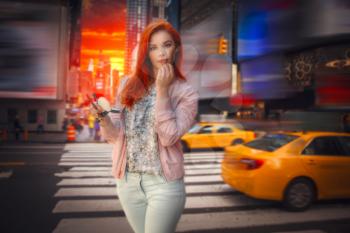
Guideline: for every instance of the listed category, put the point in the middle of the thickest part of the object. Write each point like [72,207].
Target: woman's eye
[168,45]
[152,48]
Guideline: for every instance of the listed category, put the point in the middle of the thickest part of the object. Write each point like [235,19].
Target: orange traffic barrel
[70,133]
[25,135]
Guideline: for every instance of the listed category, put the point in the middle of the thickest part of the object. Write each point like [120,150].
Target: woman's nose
[162,51]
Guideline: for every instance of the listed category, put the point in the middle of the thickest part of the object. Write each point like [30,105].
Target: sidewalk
[33,137]
[47,137]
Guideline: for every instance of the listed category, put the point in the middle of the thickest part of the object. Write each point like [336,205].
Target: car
[205,135]
[295,168]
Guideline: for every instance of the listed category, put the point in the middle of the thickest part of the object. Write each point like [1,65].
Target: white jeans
[150,203]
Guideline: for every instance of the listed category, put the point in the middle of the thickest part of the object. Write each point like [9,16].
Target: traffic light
[222,48]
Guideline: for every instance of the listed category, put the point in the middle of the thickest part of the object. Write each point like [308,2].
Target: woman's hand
[96,110]
[164,77]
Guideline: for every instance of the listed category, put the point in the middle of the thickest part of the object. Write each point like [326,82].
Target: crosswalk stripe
[83,163]
[85,192]
[37,146]
[84,174]
[111,191]
[64,162]
[108,161]
[87,181]
[86,154]
[107,168]
[103,158]
[203,166]
[204,153]
[239,219]
[94,159]
[208,165]
[203,160]
[195,202]
[87,145]
[88,225]
[218,220]
[203,156]
[111,181]
[203,178]
[78,206]
[109,152]
[99,156]
[307,231]
[16,152]
[195,169]
[107,173]
[91,151]
[221,201]
[202,171]
[208,188]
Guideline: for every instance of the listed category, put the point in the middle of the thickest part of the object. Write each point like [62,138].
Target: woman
[157,106]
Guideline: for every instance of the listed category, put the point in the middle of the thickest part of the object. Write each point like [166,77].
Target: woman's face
[161,49]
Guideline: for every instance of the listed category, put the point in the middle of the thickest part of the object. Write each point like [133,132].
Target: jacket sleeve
[172,124]
[110,130]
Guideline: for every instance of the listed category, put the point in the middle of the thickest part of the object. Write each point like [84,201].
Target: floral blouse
[142,144]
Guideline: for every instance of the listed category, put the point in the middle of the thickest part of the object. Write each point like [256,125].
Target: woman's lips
[163,61]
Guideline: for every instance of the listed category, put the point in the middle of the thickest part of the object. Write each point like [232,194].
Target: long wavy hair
[140,81]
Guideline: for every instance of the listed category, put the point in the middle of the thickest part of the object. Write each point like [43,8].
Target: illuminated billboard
[31,50]
[271,26]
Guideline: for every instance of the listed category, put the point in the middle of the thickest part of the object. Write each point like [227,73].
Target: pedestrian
[40,127]
[17,127]
[97,130]
[91,124]
[156,106]
[346,122]
[65,124]
[78,124]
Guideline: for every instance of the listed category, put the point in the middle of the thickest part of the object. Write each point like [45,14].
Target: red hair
[140,81]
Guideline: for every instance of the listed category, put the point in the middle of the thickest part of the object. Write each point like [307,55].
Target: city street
[68,188]
[257,93]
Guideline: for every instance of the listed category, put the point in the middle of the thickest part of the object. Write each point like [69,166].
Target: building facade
[33,78]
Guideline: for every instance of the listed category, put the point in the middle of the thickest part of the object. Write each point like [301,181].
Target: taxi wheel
[237,141]
[299,195]
[185,147]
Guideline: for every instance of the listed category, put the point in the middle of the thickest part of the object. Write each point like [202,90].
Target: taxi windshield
[271,142]
[195,129]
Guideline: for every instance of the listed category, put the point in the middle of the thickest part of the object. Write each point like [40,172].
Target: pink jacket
[174,117]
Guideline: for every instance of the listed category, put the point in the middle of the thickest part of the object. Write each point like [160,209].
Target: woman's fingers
[171,70]
[95,108]
[160,74]
[165,75]
[166,71]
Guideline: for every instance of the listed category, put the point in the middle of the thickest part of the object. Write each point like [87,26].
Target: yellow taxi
[294,168]
[206,135]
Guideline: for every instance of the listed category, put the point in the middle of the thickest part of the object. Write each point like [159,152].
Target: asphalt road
[65,188]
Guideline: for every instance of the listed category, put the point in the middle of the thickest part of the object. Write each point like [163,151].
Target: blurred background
[273,78]
[253,61]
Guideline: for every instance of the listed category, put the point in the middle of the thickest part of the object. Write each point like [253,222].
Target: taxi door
[222,136]
[325,161]
[204,137]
